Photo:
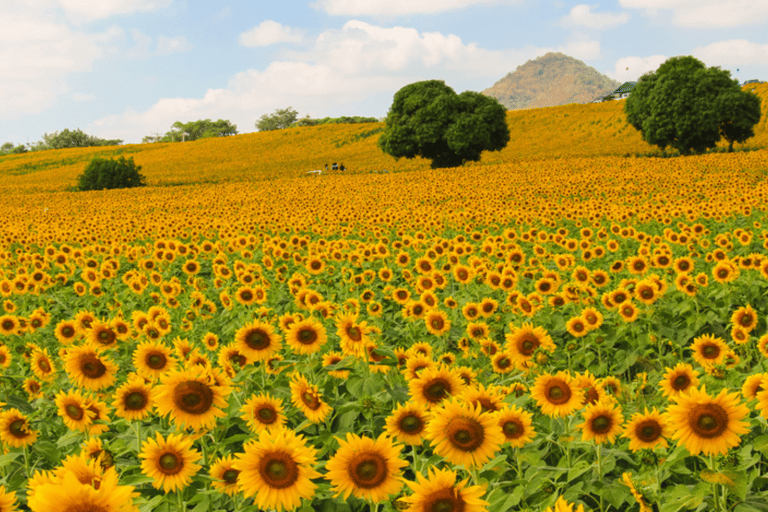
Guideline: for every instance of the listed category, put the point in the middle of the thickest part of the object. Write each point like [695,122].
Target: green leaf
[578,469]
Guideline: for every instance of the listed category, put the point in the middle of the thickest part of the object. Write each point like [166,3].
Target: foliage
[308,121]
[194,130]
[71,139]
[280,119]
[430,120]
[689,107]
[102,173]
[9,149]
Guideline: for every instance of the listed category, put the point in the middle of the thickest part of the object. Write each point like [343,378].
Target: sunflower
[753,385]
[306,336]
[577,327]
[557,395]
[628,311]
[225,476]
[626,479]
[440,492]
[711,425]
[5,356]
[366,468]
[709,350]
[66,493]
[602,422]
[7,500]
[725,272]
[33,388]
[41,363]
[15,430]
[489,399]
[523,341]
[66,332]
[463,434]
[9,325]
[437,322]
[745,318]
[646,430]
[169,462]
[503,362]
[101,335]
[73,408]
[647,292]
[133,400]
[679,379]
[307,398]
[354,335]
[191,397]
[433,385]
[152,359]
[277,470]
[257,340]
[516,425]
[407,423]
[263,412]
[89,369]
[561,505]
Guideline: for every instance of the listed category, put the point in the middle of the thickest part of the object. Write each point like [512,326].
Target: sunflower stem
[180,500]
[26,460]
[598,447]
[715,485]
[374,507]
[137,425]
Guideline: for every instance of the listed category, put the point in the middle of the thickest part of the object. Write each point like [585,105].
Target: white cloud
[269,32]
[582,16]
[632,68]
[397,7]
[90,10]
[37,53]
[345,68]
[167,45]
[732,52]
[705,13]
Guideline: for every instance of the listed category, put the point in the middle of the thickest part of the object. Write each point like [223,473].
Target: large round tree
[687,106]
[430,120]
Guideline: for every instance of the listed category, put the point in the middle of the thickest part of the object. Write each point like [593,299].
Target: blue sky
[129,68]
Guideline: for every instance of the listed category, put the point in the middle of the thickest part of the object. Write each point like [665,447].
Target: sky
[125,69]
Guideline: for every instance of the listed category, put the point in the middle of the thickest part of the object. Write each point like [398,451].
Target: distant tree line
[194,130]
[59,140]
[283,118]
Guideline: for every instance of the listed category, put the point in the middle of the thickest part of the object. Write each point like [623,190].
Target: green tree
[194,130]
[429,119]
[280,119]
[687,106]
[9,149]
[72,139]
[104,173]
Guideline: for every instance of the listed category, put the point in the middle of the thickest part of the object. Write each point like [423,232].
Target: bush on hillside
[103,173]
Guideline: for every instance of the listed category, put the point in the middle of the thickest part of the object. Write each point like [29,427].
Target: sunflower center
[278,470]
[367,470]
[437,323]
[156,361]
[18,428]
[648,431]
[266,414]
[710,351]
[444,500]
[257,340]
[528,346]
[105,336]
[92,367]
[436,390]
[135,401]
[411,424]
[512,429]
[681,382]
[708,420]
[311,400]
[170,463]
[746,320]
[504,363]
[68,331]
[353,332]
[465,434]
[558,392]
[193,397]
[601,424]
[307,336]
[43,365]
[230,476]
[74,412]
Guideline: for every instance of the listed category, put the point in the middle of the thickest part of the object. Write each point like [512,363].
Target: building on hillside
[620,93]
[753,81]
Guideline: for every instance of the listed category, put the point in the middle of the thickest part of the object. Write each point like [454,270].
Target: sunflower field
[564,331]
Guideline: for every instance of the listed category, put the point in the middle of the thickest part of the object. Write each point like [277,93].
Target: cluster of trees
[194,130]
[283,118]
[58,140]
[689,107]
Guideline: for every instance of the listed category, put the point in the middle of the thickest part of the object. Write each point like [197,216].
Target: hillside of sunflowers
[561,326]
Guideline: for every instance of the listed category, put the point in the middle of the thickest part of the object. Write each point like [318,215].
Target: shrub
[103,173]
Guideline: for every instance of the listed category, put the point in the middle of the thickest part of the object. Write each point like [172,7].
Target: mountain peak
[550,80]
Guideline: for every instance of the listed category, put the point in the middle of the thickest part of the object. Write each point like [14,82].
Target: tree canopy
[281,118]
[430,120]
[71,139]
[689,107]
[194,130]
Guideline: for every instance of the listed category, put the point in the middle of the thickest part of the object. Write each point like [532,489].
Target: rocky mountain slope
[550,80]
